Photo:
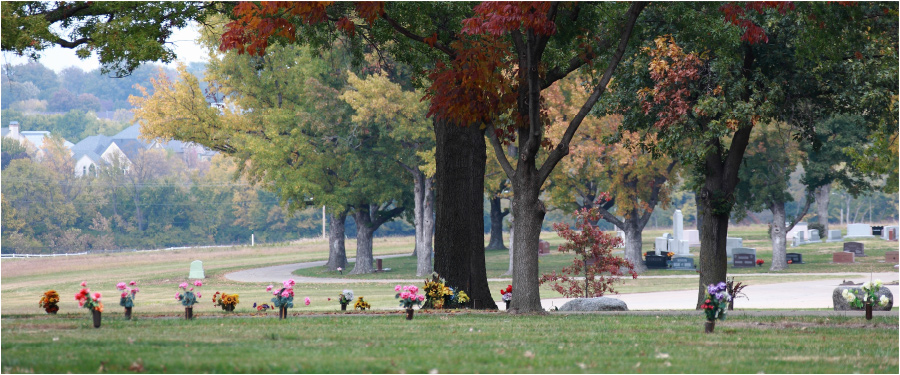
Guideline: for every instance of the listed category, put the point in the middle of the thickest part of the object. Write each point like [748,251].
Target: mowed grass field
[452,343]
[317,338]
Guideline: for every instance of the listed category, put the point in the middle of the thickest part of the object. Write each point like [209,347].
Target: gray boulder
[840,304]
[594,304]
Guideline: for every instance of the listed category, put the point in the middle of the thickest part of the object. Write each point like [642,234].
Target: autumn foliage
[593,260]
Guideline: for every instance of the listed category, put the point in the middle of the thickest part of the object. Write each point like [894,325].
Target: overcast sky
[58,58]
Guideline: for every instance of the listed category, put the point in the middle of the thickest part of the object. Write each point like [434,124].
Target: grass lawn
[466,343]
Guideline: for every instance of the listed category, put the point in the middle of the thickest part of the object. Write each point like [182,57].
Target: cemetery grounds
[321,339]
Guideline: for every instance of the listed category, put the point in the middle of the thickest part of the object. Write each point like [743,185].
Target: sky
[58,58]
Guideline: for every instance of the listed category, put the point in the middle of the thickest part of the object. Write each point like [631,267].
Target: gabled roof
[131,132]
[131,147]
[95,157]
[95,143]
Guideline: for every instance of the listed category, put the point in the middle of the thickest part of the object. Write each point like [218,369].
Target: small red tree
[593,258]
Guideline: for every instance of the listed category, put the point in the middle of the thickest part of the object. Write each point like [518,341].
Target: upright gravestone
[693,237]
[878,230]
[661,244]
[888,231]
[731,243]
[857,248]
[794,258]
[196,270]
[656,262]
[801,227]
[677,243]
[814,235]
[892,257]
[859,230]
[842,257]
[543,247]
[744,260]
[834,236]
[683,263]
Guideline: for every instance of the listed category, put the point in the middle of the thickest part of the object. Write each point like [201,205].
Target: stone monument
[801,227]
[834,236]
[196,270]
[859,230]
[677,243]
[693,237]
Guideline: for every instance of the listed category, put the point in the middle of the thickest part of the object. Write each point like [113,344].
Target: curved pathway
[789,295]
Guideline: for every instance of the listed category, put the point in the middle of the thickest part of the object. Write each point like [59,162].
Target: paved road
[788,295]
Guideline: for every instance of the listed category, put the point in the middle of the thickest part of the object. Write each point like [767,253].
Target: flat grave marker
[842,257]
[795,258]
[857,248]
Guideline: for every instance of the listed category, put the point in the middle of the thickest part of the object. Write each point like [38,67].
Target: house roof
[131,132]
[95,143]
[131,147]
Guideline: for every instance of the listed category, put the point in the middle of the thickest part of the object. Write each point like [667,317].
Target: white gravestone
[677,243]
[661,244]
[693,237]
[834,236]
[814,235]
[859,230]
[799,240]
[732,243]
[196,270]
[801,227]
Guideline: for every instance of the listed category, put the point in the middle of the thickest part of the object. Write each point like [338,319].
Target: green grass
[456,343]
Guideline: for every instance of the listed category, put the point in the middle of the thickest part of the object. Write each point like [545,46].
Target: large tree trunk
[497,214]
[633,244]
[459,225]
[423,261]
[779,237]
[823,195]
[418,213]
[364,231]
[337,253]
[529,212]
[512,243]
[713,259]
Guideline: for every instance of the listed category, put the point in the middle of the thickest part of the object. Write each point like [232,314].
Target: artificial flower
[306,301]
[198,283]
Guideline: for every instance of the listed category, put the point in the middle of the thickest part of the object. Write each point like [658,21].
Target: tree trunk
[779,237]
[713,259]
[512,241]
[496,242]
[364,231]
[424,225]
[418,201]
[529,212]
[699,220]
[633,244]
[823,195]
[459,225]
[337,253]
[428,219]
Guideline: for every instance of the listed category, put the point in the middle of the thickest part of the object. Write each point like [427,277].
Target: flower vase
[343,307]
[710,326]
[128,313]
[868,310]
[96,315]
[282,312]
[229,308]
[409,314]
[507,304]
[189,313]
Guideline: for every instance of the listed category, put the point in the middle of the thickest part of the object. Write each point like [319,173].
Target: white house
[33,139]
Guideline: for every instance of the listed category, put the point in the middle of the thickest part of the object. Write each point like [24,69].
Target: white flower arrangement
[866,294]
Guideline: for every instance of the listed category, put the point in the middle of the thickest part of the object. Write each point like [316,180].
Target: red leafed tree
[595,269]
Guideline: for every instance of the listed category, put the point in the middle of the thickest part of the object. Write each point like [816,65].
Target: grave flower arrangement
[283,298]
[760,262]
[408,296]
[262,307]
[189,298]
[506,294]
[49,301]
[438,295]
[226,301]
[126,299]
[361,304]
[345,298]
[868,293]
[87,300]
[716,304]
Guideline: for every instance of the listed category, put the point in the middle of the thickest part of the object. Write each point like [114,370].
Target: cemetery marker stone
[857,248]
[656,262]
[683,263]
[814,235]
[196,270]
[795,258]
[842,257]
[744,260]
[834,236]
[877,230]
[859,230]
[892,257]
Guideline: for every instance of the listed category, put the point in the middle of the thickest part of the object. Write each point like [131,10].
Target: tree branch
[562,149]
[501,155]
[409,34]
[809,199]
[610,218]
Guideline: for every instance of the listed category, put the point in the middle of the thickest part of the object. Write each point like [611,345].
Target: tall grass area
[457,343]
